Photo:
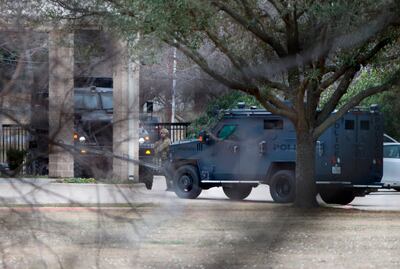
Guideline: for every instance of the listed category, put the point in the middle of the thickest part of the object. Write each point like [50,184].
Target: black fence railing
[177,131]
[13,137]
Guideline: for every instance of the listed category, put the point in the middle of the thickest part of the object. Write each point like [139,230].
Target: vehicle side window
[349,125]
[273,124]
[391,151]
[226,131]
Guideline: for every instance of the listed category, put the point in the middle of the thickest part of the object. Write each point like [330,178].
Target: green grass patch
[77,180]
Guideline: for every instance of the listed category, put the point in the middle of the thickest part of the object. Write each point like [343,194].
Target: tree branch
[355,100]
[274,105]
[199,60]
[262,35]
[362,59]
[238,63]
[337,95]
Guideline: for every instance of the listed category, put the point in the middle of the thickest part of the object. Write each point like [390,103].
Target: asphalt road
[43,191]
[158,230]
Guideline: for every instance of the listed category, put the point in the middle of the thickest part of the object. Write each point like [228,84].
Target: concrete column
[61,103]
[125,115]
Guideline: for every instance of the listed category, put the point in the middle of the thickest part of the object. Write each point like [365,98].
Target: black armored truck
[248,147]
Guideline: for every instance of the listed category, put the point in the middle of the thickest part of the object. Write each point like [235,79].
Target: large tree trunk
[306,189]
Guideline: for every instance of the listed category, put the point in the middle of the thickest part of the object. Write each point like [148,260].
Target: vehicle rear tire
[396,188]
[186,182]
[282,186]
[338,196]
[237,192]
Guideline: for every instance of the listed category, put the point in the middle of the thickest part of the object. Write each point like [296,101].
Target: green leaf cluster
[212,113]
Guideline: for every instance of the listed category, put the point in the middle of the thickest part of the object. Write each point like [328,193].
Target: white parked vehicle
[389,139]
[391,165]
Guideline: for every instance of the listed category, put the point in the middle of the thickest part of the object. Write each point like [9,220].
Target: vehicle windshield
[107,100]
[226,131]
[87,101]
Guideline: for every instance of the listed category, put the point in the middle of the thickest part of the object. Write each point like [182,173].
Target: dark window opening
[81,82]
[273,124]
[364,125]
[349,125]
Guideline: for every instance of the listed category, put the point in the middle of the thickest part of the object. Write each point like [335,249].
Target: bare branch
[199,59]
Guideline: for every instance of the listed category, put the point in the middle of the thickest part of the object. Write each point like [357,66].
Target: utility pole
[173,86]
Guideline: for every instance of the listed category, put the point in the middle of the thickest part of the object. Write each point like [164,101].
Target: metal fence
[13,137]
[177,131]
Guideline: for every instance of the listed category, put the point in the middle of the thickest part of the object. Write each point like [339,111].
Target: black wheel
[237,192]
[44,170]
[186,182]
[146,176]
[396,188]
[337,196]
[80,171]
[282,186]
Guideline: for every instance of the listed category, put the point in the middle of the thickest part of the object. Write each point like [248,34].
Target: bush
[15,158]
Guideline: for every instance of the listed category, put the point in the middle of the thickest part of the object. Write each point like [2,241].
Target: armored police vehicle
[248,147]
[93,129]
[148,135]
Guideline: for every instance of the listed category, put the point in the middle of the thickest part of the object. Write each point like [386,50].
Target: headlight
[82,139]
[141,140]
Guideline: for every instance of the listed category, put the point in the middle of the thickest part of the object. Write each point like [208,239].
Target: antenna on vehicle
[374,108]
[241,105]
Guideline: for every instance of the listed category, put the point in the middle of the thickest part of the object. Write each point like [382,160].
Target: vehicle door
[355,151]
[225,151]
[344,158]
[365,146]
[266,140]
[391,164]
[251,160]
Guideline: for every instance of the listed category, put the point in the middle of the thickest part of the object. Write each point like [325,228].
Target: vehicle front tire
[282,186]
[146,176]
[186,182]
[339,196]
[237,192]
